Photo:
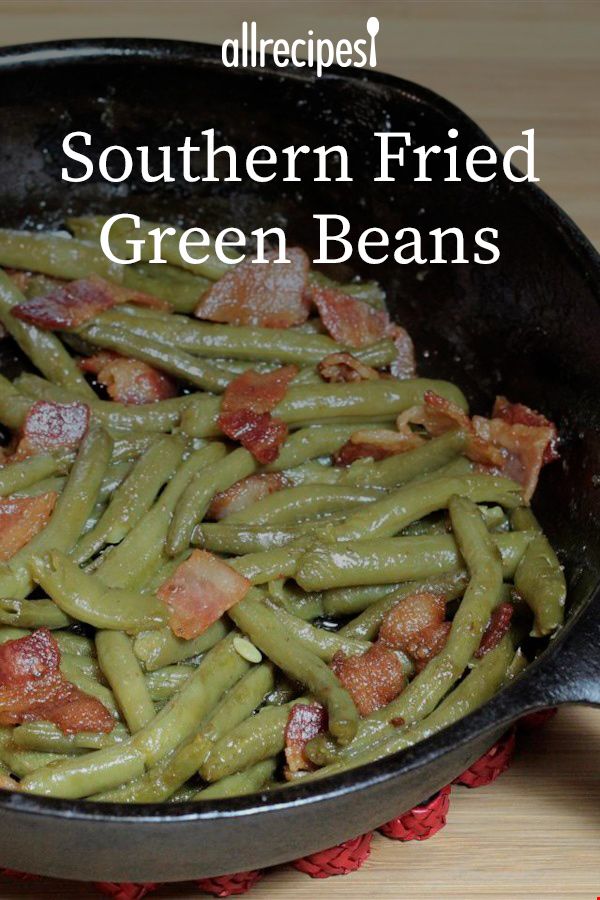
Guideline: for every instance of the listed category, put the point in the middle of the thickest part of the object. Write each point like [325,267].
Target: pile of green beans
[328,554]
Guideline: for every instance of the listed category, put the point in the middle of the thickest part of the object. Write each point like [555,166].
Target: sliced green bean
[124,675]
[18,475]
[324,644]
[33,614]
[156,649]
[292,504]
[241,783]
[25,762]
[91,773]
[13,406]
[300,604]
[165,682]
[539,578]
[54,254]
[45,737]
[281,562]
[180,288]
[221,537]
[310,443]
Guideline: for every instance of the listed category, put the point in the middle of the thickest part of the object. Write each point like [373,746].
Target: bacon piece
[305,722]
[257,392]
[199,591]
[521,449]
[52,426]
[416,626]
[404,366]
[76,302]
[32,688]
[129,381]
[260,433]
[348,320]
[377,444]
[372,679]
[343,367]
[271,295]
[244,493]
[21,518]
[519,414]
[498,626]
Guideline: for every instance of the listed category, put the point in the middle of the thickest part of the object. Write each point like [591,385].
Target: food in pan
[242,544]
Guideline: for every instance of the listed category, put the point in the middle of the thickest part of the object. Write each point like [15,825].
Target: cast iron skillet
[528,326]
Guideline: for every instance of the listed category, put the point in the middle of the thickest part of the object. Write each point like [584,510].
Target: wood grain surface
[510,65]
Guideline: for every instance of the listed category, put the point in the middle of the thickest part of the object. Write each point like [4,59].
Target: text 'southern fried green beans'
[269,635]
[481,683]
[324,644]
[44,737]
[134,497]
[366,401]
[87,598]
[142,549]
[69,516]
[195,499]
[124,675]
[43,348]
[241,783]
[118,418]
[391,560]
[392,513]
[33,614]
[20,475]
[539,578]
[366,626]
[259,737]
[156,649]
[204,375]
[13,405]
[290,505]
[54,254]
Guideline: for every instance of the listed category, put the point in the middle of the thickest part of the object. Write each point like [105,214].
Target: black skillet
[528,326]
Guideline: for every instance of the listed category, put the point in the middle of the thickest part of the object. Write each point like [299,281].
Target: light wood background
[510,65]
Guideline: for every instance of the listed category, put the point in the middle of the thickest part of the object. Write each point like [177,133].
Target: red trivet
[341,860]
[536,719]
[422,822]
[491,764]
[228,885]
[124,890]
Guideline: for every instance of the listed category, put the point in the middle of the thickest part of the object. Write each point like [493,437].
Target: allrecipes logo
[316,53]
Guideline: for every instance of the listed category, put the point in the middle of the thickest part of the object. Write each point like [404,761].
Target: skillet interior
[528,326]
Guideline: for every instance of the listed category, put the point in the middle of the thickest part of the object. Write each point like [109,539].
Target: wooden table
[512,66]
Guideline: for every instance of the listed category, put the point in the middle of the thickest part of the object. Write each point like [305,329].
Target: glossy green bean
[54,254]
[45,737]
[241,783]
[23,763]
[280,562]
[297,602]
[42,347]
[124,675]
[91,773]
[391,560]
[19,475]
[220,537]
[13,406]
[290,505]
[75,644]
[179,288]
[369,291]
[539,578]
[309,443]
[156,649]
[266,632]
[324,644]
[195,499]
[347,601]
[165,682]
[33,614]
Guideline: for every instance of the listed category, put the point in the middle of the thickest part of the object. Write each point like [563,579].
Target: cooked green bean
[295,601]
[195,499]
[54,254]
[156,649]
[293,504]
[180,288]
[124,675]
[43,348]
[18,475]
[281,562]
[25,762]
[309,443]
[13,406]
[221,537]
[324,644]
[165,682]
[45,737]
[241,783]
[539,578]
[91,773]
[33,614]
[346,601]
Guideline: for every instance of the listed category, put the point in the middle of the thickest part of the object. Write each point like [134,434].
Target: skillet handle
[571,674]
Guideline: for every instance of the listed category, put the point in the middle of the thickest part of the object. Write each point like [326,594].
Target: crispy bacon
[519,414]
[348,320]
[129,381]
[416,626]
[372,679]
[377,444]
[50,426]
[404,366]
[244,493]
[305,722]
[521,450]
[343,367]
[498,626]
[437,415]
[76,302]
[199,591]
[32,688]
[271,294]
[257,392]
[260,433]
[21,518]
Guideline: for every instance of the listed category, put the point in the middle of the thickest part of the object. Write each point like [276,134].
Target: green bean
[124,675]
[156,649]
[91,773]
[539,578]
[75,644]
[220,669]
[180,288]
[309,443]
[87,598]
[277,563]
[347,601]
[12,634]
[195,500]
[45,486]
[54,254]
[291,504]
[165,682]
[18,475]
[241,783]
[142,549]
[324,644]
[134,496]
[369,400]
[369,291]
[69,516]
[87,665]
[42,347]
[298,603]
[391,560]
[25,762]
[74,674]
[13,406]
[221,537]
[208,377]
[45,737]
[33,614]
[258,738]
[265,631]
[366,625]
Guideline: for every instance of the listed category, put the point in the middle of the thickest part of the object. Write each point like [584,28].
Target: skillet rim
[498,712]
